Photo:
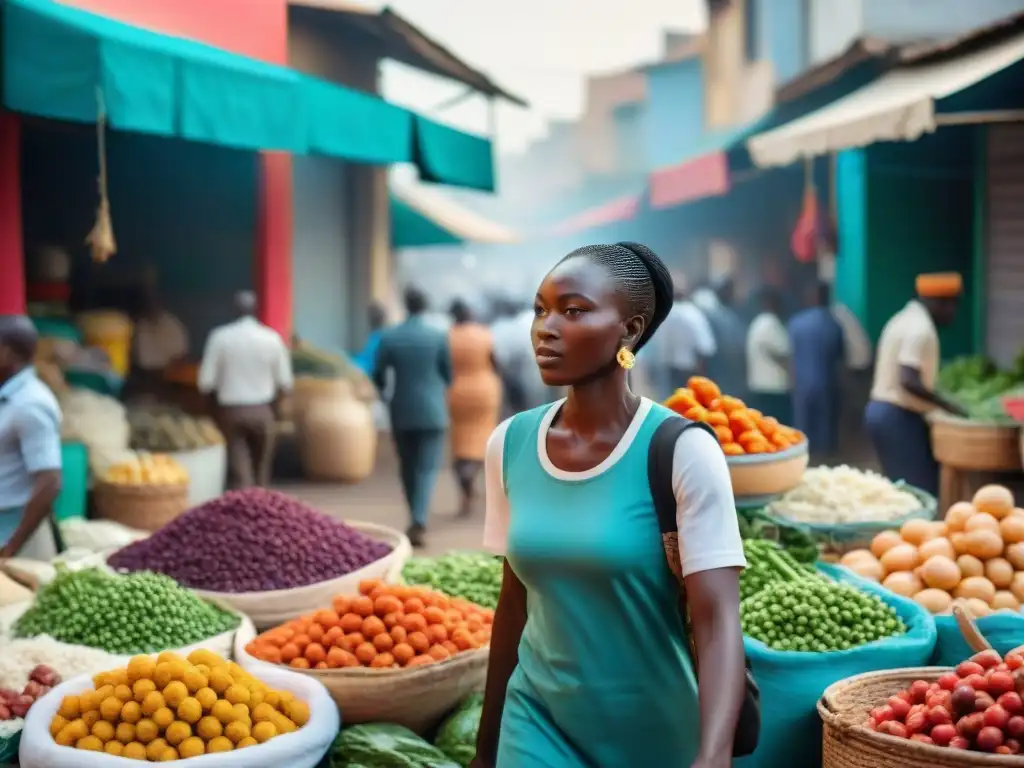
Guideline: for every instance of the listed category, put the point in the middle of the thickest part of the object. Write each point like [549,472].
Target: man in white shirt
[683,344]
[903,392]
[768,354]
[246,368]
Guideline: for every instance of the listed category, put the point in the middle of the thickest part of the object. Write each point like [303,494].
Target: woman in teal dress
[588,666]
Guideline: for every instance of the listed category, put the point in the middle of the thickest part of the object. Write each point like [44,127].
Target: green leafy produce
[457,735]
[767,564]
[798,543]
[385,745]
[138,613]
[979,386]
[808,612]
[473,576]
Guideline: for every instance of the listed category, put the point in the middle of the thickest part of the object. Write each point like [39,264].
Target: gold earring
[625,358]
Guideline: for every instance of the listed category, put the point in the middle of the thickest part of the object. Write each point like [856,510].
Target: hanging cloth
[100,239]
[813,232]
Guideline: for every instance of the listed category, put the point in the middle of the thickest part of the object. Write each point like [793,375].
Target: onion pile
[253,540]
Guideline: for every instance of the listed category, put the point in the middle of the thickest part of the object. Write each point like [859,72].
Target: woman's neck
[604,403]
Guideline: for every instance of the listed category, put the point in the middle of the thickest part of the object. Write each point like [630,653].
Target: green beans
[473,576]
[138,613]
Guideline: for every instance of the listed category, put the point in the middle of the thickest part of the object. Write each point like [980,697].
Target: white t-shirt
[766,340]
[909,339]
[709,535]
[245,363]
[685,334]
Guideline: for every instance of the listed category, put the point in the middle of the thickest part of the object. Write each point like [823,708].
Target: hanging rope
[101,239]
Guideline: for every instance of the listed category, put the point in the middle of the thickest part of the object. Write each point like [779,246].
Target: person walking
[818,350]
[474,399]
[683,347]
[903,390]
[246,370]
[768,360]
[30,449]
[569,505]
[727,366]
[419,360]
[378,319]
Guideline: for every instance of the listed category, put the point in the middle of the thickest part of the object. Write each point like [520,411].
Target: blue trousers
[816,414]
[903,443]
[420,454]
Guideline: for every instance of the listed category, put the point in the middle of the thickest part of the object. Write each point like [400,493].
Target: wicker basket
[845,706]
[417,698]
[144,507]
[975,446]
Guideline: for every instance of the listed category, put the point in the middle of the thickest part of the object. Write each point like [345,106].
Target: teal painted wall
[851,280]
[907,208]
[187,209]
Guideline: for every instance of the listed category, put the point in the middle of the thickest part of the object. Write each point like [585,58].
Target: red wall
[255,28]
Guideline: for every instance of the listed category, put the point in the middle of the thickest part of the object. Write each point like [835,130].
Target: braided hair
[642,278]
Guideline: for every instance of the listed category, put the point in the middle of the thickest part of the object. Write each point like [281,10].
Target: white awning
[458,220]
[899,106]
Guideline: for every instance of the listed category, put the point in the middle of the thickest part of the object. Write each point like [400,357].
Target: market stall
[978,449]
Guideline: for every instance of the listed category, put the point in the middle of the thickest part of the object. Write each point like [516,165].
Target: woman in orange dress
[474,398]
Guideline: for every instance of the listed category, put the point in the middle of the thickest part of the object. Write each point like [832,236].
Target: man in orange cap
[903,391]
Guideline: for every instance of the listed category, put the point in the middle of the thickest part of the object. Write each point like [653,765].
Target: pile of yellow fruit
[147,469]
[171,708]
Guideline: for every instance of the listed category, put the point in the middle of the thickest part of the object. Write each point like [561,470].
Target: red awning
[704,176]
[619,209]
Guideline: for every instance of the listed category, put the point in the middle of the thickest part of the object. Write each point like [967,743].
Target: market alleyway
[378,499]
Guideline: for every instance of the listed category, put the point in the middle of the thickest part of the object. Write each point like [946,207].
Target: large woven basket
[417,698]
[144,507]
[845,706]
[975,446]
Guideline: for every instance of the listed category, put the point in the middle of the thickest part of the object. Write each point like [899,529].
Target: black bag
[659,476]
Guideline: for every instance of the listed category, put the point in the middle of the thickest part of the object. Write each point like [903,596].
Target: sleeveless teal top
[603,679]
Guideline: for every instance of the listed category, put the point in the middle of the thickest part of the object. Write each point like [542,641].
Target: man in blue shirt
[817,349]
[30,460]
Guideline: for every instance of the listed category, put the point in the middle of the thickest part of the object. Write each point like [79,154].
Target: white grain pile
[839,495]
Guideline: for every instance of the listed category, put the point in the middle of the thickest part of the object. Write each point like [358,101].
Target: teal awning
[423,217]
[56,59]
[447,156]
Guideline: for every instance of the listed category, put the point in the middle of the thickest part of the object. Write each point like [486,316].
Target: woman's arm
[509,621]
[510,615]
[711,554]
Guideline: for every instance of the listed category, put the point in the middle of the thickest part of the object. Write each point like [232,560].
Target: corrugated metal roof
[405,42]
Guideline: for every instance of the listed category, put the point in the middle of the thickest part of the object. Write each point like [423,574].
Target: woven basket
[417,698]
[975,446]
[144,507]
[845,706]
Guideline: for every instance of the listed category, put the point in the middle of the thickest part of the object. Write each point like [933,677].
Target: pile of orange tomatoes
[741,430]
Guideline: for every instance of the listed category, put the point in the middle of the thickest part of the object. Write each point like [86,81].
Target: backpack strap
[660,457]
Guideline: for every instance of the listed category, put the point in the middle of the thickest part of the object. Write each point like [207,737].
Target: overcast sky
[541,50]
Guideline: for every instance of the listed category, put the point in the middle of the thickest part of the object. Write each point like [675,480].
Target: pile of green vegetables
[792,607]
[473,576]
[380,745]
[799,544]
[976,383]
[138,613]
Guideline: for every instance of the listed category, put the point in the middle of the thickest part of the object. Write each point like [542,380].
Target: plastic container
[74,491]
[111,332]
